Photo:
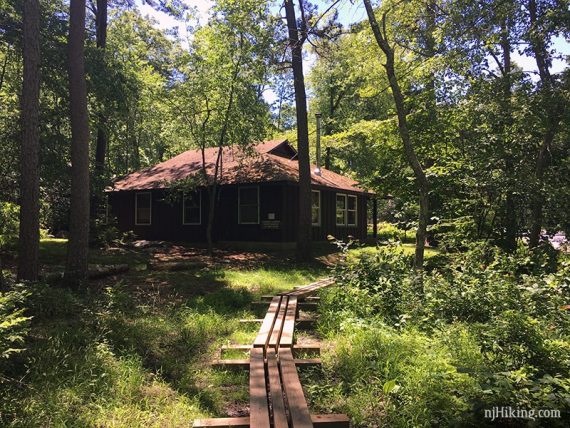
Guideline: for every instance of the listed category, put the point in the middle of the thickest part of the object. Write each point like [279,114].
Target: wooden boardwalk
[275,392]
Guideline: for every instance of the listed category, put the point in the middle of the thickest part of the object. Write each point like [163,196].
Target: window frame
[318,223]
[336,209]
[184,222]
[149,209]
[258,205]
[355,210]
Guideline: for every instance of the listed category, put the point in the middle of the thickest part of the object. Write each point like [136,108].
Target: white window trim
[185,223]
[318,223]
[136,209]
[336,209]
[239,204]
[355,210]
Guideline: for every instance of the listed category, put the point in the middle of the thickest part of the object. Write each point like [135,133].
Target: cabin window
[143,207]
[192,208]
[316,207]
[340,209]
[351,210]
[248,205]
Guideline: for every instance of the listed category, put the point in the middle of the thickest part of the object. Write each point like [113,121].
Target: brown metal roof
[238,166]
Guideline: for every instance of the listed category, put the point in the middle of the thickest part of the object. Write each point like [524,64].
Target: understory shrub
[491,325]
[406,377]
[13,322]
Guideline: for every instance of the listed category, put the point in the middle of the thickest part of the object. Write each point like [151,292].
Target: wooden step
[244,363]
[303,323]
[305,306]
[320,421]
[312,348]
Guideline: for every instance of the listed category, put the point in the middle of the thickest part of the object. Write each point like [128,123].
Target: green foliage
[497,318]
[134,352]
[14,323]
[391,232]
[393,378]
[9,223]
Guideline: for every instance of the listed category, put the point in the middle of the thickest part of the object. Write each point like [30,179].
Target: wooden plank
[242,422]
[241,363]
[236,347]
[324,421]
[296,402]
[289,324]
[307,362]
[258,404]
[268,322]
[251,321]
[276,391]
[305,323]
[331,421]
[305,306]
[245,363]
[309,349]
[311,288]
[278,327]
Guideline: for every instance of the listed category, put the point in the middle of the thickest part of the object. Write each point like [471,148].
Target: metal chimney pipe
[318,117]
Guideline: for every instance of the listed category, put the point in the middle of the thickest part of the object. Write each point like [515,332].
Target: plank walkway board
[311,348]
[245,363]
[306,306]
[319,421]
[289,324]
[275,391]
[279,322]
[258,404]
[297,404]
[268,322]
[279,415]
[222,422]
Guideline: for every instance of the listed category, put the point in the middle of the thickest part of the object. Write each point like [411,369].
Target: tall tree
[219,94]
[101,142]
[28,250]
[77,250]
[539,35]
[380,36]
[297,34]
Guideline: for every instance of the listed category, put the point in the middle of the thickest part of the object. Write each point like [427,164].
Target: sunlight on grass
[268,280]
[408,249]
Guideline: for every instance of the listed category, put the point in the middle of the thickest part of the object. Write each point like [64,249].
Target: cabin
[257,200]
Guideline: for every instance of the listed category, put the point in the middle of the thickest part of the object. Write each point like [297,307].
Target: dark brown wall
[278,198]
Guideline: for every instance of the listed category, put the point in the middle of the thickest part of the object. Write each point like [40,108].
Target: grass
[135,350]
[407,248]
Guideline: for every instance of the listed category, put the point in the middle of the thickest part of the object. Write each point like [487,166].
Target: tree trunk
[76,267]
[29,234]
[101,36]
[212,190]
[510,203]
[421,179]
[554,114]
[101,142]
[304,224]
